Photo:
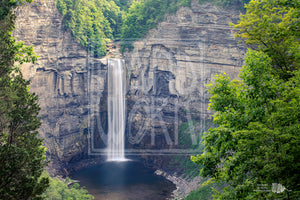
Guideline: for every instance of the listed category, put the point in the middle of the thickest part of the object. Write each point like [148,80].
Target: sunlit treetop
[273,26]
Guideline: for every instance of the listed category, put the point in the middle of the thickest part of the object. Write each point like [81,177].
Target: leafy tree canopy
[257,141]
[226,3]
[59,190]
[145,15]
[21,152]
[273,27]
[93,23]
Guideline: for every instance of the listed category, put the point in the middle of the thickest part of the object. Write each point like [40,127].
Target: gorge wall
[168,71]
[166,76]
[62,79]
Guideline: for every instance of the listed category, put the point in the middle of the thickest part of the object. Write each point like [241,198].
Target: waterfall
[116,110]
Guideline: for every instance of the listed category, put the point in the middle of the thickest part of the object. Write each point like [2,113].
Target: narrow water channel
[124,181]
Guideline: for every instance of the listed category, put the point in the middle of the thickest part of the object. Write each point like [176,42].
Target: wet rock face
[166,76]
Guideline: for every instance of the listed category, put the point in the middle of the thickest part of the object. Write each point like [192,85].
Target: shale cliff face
[166,75]
[62,79]
[168,71]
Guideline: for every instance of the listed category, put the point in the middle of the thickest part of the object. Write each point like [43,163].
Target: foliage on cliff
[226,3]
[255,149]
[93,23]
[59,190]
[96,22]
[143,16]
[21,152]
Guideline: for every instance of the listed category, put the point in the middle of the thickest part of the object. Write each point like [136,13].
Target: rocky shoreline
[183,185]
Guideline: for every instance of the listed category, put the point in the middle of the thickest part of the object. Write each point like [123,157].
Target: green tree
[21,152]
[238,4]
[273,27]
[257,140]
[93,23]
[67,190]
[145,15]
[123,4]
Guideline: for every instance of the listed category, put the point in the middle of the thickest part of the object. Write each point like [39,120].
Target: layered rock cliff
[168,71]
[68,91]
[166,74]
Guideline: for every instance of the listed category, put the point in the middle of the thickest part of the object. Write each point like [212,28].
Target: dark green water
[124,181]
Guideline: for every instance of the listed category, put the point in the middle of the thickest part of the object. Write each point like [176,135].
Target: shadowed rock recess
[166,76]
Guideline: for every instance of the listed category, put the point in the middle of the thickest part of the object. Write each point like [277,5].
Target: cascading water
[116,111]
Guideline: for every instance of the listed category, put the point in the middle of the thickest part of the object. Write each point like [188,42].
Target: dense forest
[255,148]
[92,23]
[95,23]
